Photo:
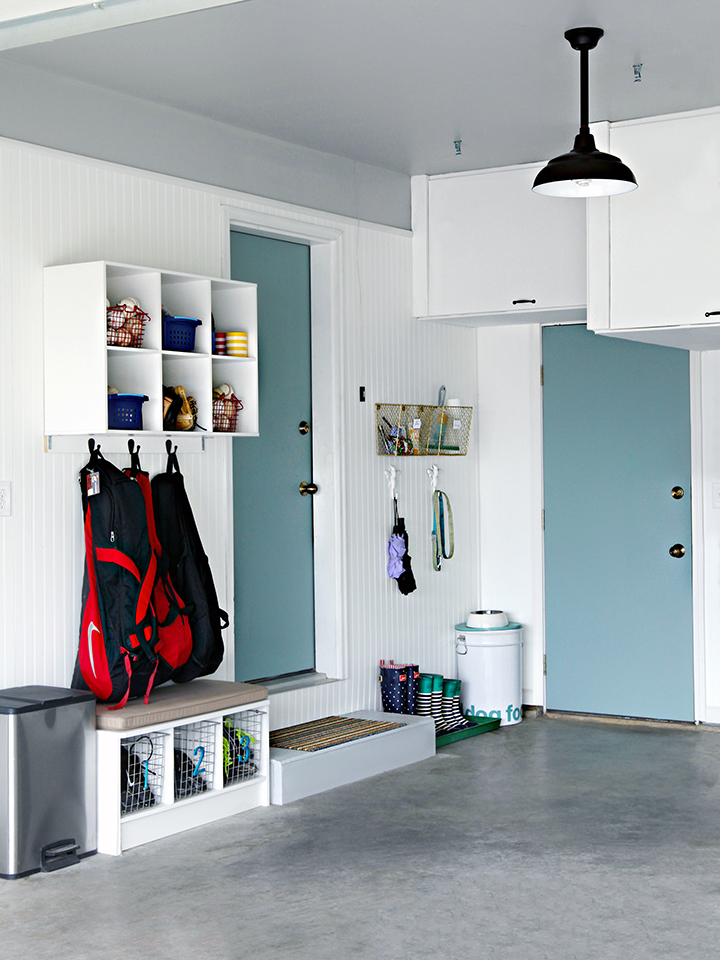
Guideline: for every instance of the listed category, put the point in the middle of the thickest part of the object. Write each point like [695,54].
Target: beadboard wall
[59,208]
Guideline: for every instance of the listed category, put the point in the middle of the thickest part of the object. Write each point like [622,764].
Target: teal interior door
[618,606]
[273,535]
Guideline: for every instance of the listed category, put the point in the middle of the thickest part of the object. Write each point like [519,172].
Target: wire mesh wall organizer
[414,429]
[194,758]
[242,744]
[142,763]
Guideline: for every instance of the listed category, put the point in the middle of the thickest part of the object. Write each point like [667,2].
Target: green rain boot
[437,699]
[451,707]
[424,695]
[449,721]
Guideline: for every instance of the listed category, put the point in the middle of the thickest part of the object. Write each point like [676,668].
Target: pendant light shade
[585,171]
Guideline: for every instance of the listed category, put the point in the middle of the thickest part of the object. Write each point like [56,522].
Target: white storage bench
[196,753]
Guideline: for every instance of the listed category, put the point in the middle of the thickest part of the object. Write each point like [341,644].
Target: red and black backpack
[190,571]
[133,632]
[175,641]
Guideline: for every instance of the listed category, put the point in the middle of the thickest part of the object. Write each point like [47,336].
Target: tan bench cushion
[177,700]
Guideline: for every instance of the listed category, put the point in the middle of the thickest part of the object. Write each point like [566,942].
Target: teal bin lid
[464,628]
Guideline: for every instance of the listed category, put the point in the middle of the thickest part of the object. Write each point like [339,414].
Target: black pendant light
[585,171]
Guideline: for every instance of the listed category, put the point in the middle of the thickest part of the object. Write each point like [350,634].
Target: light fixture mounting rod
[584,39]
[584,92]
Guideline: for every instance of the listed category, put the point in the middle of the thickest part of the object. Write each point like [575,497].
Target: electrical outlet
[5,498]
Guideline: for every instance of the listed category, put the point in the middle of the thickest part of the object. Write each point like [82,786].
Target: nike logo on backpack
[91,627]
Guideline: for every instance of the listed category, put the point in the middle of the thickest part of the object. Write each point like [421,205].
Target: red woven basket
[225,413]
[125,326]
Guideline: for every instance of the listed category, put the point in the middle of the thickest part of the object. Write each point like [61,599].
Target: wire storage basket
[415,429]
[225,413]
[194,758]
[242,745]
[142,765]
[125,326]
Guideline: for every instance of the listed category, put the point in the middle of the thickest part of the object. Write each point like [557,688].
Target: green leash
[443,545]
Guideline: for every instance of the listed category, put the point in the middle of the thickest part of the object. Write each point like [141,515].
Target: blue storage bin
[125,411]
[179,333]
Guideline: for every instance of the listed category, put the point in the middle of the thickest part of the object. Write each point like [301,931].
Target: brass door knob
[677,493]
[677,550]
[307,488]
[304,427]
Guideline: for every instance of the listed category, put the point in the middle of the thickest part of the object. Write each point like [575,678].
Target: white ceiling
[23,22]
[395,82]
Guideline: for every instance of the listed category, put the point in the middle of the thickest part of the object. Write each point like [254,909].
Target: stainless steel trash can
[48,816]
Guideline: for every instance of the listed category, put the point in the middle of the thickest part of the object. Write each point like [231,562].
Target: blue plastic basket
[179,333]
[125,411]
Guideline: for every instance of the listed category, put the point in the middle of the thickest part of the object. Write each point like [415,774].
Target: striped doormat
[327,732]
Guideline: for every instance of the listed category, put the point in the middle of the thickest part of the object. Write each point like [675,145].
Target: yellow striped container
[236,343]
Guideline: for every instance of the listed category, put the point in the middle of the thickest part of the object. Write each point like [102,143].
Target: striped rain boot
[448,720]
[454,714]
[437,696]
[424,695]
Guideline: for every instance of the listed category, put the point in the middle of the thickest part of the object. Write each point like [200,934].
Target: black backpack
[117,656]
[189,571]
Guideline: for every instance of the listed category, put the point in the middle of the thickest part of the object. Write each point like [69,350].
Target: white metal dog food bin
[489,664]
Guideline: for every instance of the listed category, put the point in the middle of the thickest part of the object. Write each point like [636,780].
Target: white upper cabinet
[655,253]
[488,250]
[666,238]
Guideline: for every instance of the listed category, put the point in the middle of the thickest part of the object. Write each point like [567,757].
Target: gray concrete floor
[557,839]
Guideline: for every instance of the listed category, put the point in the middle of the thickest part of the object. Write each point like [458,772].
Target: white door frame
[328,445]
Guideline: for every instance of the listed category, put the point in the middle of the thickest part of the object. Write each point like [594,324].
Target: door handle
[308,488]
[677,551]
[522,301]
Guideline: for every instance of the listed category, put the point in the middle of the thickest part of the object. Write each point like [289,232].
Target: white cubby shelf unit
[169,799]
[80,366]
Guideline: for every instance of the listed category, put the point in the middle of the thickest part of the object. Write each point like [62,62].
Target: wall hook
[458,147]
[637,72]
[433,472]
[390,475]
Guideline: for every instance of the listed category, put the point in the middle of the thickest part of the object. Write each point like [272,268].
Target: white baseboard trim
[712,714]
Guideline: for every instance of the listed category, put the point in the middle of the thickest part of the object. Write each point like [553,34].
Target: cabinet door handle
[713,313]
[532,301]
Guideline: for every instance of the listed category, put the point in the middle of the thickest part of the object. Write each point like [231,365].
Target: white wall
[66,114]
[510,410]
[710,451]
[59,208]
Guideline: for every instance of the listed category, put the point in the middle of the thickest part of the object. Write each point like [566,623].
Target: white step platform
[295,774]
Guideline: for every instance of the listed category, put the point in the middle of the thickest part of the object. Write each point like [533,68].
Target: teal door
[273,536]
[618,606]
